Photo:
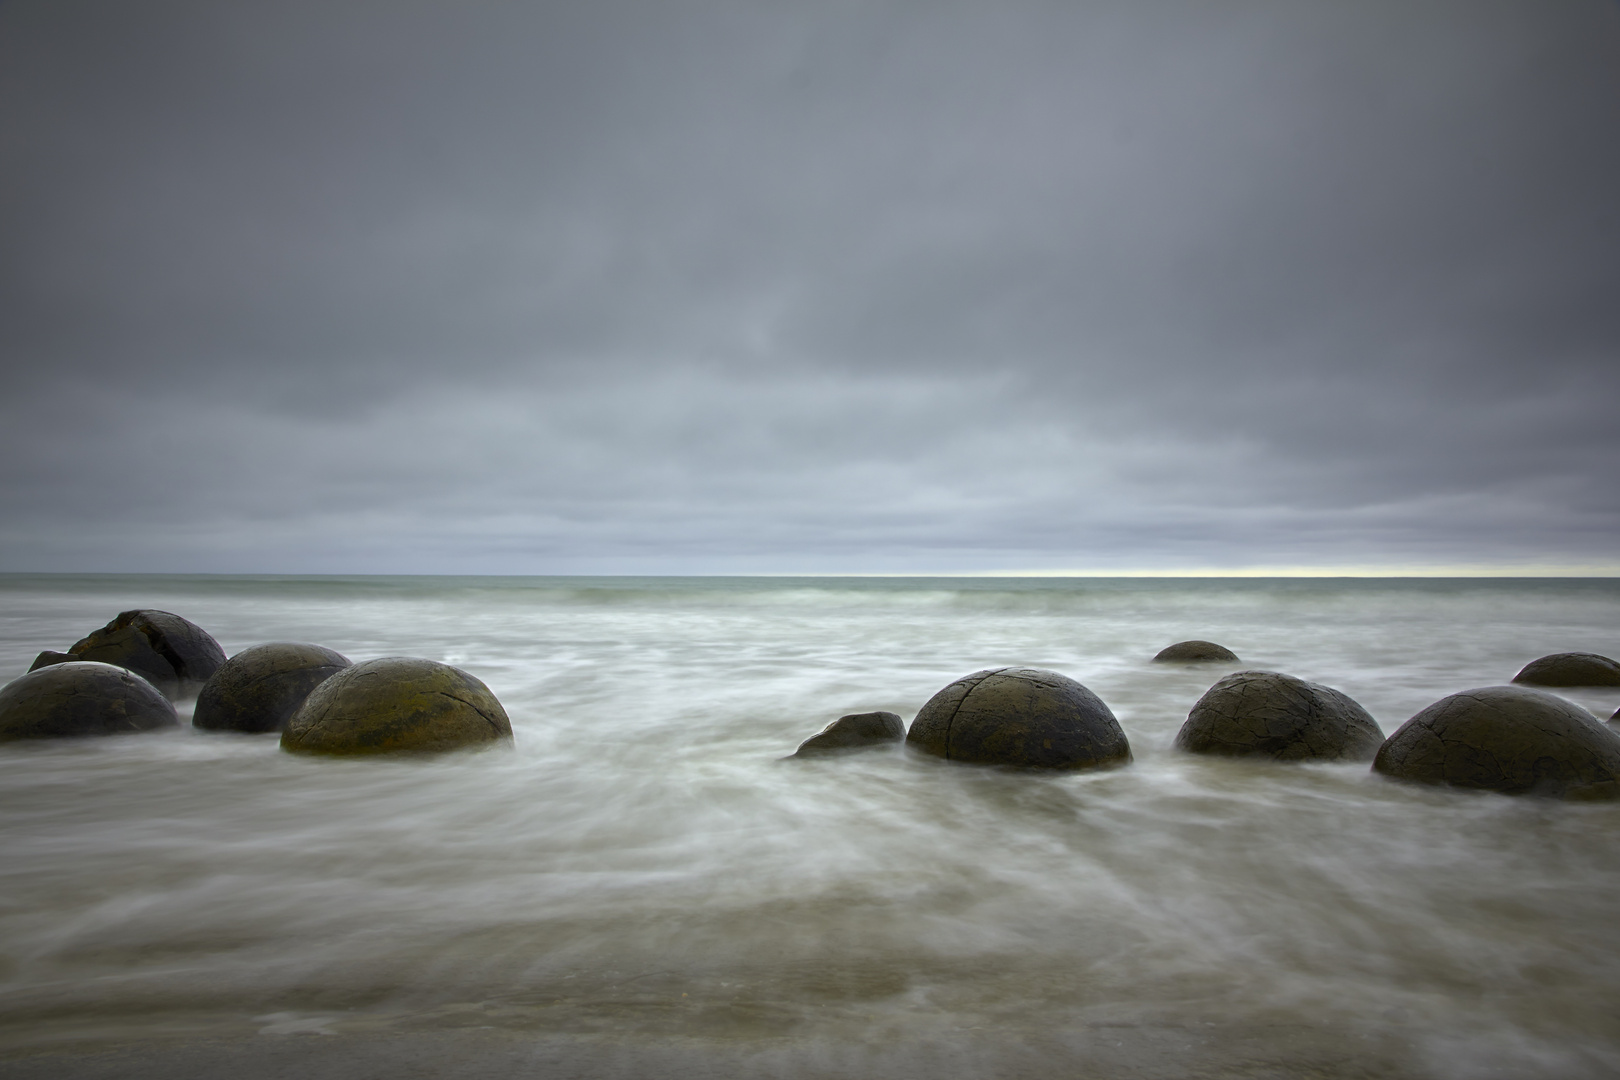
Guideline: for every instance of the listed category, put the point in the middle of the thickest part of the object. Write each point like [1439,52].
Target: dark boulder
[1266,714]
[1195,652]
[260,688]
[1020,716]
[81,698]
[173,654]
[1509,739]
[1570,669]
[855,732]
[396,704]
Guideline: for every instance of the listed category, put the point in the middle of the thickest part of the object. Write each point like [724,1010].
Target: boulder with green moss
[1271,715]
[173,654]
[1020,716]
[1510,739]
[260,688]
[397,705]
[80,697]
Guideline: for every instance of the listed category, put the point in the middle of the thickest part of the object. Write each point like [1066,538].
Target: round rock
[175,655]
[1510,739]
[396,704]
[1020,716]
[1570,669]
[260,688]
[855,732]
[81,698]
[1194,652]
[1266,714]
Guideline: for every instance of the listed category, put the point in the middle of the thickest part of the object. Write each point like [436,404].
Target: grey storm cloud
[836,286]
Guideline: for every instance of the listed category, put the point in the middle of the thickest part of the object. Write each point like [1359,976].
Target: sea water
[644,868]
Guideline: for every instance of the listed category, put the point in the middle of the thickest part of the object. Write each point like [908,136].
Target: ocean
[645,884]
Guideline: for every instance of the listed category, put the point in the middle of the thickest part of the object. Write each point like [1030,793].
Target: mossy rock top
[1570,669]
[397,704]
[261,687]
[1510,739]
[175,655]
[1017,716]
[1271,715]
[1195,651]
[854,732]
[81,697]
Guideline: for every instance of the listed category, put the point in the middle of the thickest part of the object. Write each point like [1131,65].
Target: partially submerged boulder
[1195,651]
[1020,716]
[260,688]
[857,731]
[175,655]
[1570,669]
[81,697]
[1271,715]
[1510,739]
[396,704]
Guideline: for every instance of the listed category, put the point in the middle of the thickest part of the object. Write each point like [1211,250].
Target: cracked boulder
[856,731]
[1510,739]
[260,688]
[173,654]
[1020,716]
[80,697]
[1270,715]
[1195,651]
[1570,669]
[393,705]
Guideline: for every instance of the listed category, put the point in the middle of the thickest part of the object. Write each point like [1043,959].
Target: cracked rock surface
[1570,669]
[1510,739]
[393,705]
[260,688]
[1267,714]
[1194,651]
[1020,716]
[81,697]
[855,732]
[175,655]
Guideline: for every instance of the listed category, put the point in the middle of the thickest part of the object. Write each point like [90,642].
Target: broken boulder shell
[1271,715]
[173,654]
[260,688]
[81,697]
[1020,716]
[1510,739]
[857,731]
[1195,651]
[1570,669]
[397,704]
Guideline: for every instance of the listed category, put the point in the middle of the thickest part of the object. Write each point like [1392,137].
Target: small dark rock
[1509,739]
[49,657]
[81,698]
[1266,714]
[260,688]
[396,704]
[1020,716]
[854,732]
[1570,669]
[1195,651]
[173,654]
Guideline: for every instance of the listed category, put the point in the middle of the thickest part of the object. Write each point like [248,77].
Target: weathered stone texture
[1020,716]
[81,697]
[260,688]
[1267,714]
[397,704]
[856,731]
[1195,651]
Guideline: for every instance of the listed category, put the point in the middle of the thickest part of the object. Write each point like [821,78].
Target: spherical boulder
[1194,652]
[396,704]
[260,688]
[1020,716]
[1570,669]
[857,731]
[175,655]
[81,697]
[1510,739]
[1270,715]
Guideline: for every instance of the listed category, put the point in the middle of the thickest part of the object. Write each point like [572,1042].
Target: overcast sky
[809,286]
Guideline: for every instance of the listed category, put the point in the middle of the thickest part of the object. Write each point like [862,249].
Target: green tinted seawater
[643,866]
